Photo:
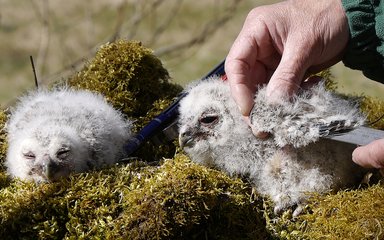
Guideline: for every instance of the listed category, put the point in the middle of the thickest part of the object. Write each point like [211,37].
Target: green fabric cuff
[365,50]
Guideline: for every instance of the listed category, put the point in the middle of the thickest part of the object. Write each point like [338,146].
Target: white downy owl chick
[54,133]
[292,162]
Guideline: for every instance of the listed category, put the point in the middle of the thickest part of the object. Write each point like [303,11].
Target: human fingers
[251,59]
[289,74]
[243,85]
[371,155]
[242,69]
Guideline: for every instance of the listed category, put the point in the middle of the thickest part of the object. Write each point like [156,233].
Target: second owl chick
[292,162]
[54,133]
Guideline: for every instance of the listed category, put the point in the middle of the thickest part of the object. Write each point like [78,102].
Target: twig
[34,72]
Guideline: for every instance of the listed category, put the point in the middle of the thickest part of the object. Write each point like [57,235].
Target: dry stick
[34,72]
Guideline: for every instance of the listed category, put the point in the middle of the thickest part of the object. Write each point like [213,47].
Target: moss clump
[3,138]
[352,214]
[129,75]
[184,200]
[374,108]
[178,199]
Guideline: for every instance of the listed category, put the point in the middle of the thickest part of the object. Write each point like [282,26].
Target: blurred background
[189,36]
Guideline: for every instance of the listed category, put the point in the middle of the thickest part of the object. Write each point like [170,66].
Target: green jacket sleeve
[365,50]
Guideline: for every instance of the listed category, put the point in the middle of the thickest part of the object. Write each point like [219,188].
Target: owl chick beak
[53,170]
[186,138]
[50,169]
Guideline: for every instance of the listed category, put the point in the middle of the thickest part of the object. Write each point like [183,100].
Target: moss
[174,200]
[129,75]
[185,199]
[374,108]
[352,214]
[330,83]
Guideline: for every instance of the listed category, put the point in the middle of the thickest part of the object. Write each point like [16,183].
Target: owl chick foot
[297,209]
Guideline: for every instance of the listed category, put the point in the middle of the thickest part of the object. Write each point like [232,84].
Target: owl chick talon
[298,210]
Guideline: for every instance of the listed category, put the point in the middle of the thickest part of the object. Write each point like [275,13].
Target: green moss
[330,83]
[352,214]
[129,75]
[374,108]
[174,200]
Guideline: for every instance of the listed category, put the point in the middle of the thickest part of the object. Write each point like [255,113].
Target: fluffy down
[292,162]
[54,133]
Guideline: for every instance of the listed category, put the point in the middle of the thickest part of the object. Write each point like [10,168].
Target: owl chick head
[208,116]
[47,154]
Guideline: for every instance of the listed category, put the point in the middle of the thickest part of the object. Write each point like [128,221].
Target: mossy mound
[128,75]
[176,200]
[352,214]
[355,214]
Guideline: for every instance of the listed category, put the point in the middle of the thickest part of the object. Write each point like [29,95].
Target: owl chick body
[54,133]
[292,162]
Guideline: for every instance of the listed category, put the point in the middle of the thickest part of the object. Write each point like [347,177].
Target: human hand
[281,45]
[371,155]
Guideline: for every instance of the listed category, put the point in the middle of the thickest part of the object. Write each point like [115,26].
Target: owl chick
[292,162]
[54,133]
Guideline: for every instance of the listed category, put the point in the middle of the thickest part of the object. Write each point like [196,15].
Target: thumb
[371,155]
[289,74]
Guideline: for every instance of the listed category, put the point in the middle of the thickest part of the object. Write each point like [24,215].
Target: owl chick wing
[312,114]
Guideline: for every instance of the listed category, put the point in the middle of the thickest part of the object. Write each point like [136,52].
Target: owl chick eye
[62,153]
[209,119]
[29,155]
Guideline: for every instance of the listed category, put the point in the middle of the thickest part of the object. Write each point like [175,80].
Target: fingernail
[258,134]
[354,157]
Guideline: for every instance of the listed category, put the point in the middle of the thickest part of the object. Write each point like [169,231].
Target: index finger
[239,66]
